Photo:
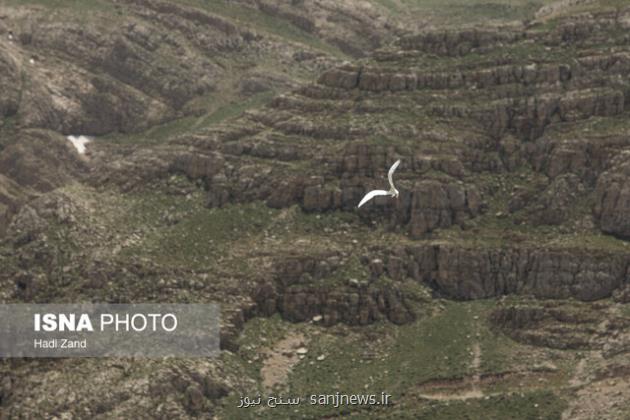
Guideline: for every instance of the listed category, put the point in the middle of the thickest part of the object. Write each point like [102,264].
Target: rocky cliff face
[123,67]
[233,145]
[545,273]
[612,199]
[512,103]
[487,143]
[297,296]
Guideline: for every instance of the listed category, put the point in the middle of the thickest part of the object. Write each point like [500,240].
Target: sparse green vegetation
[453,12]
[235,109]
[201,235]
[215,114]
[130,230]
[378,358]
[261,21]
[80,6]
[545,405]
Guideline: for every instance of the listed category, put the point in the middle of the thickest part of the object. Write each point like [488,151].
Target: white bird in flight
[392,191]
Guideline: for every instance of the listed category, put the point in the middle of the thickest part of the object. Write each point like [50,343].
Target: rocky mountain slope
[231,151]
[102,67]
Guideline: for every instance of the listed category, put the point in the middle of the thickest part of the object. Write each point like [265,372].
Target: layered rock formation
[488,140]
[513,143]
[122,67]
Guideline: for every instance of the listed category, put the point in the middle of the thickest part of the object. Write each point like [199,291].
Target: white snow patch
[79,142]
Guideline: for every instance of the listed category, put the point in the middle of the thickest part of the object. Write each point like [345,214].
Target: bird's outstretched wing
[391,172]
[371,195]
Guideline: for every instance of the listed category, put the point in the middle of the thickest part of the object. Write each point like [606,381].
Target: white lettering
[174,322]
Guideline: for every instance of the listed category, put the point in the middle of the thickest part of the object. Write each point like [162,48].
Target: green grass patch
[386,358]
[201,235]
[218,112]
[264,22]
[457,12]
[236,108]
[542,405]
[76,6]
[394,361]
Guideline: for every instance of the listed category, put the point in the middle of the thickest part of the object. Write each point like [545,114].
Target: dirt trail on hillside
[476,365]
[280,360]
[597,399]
